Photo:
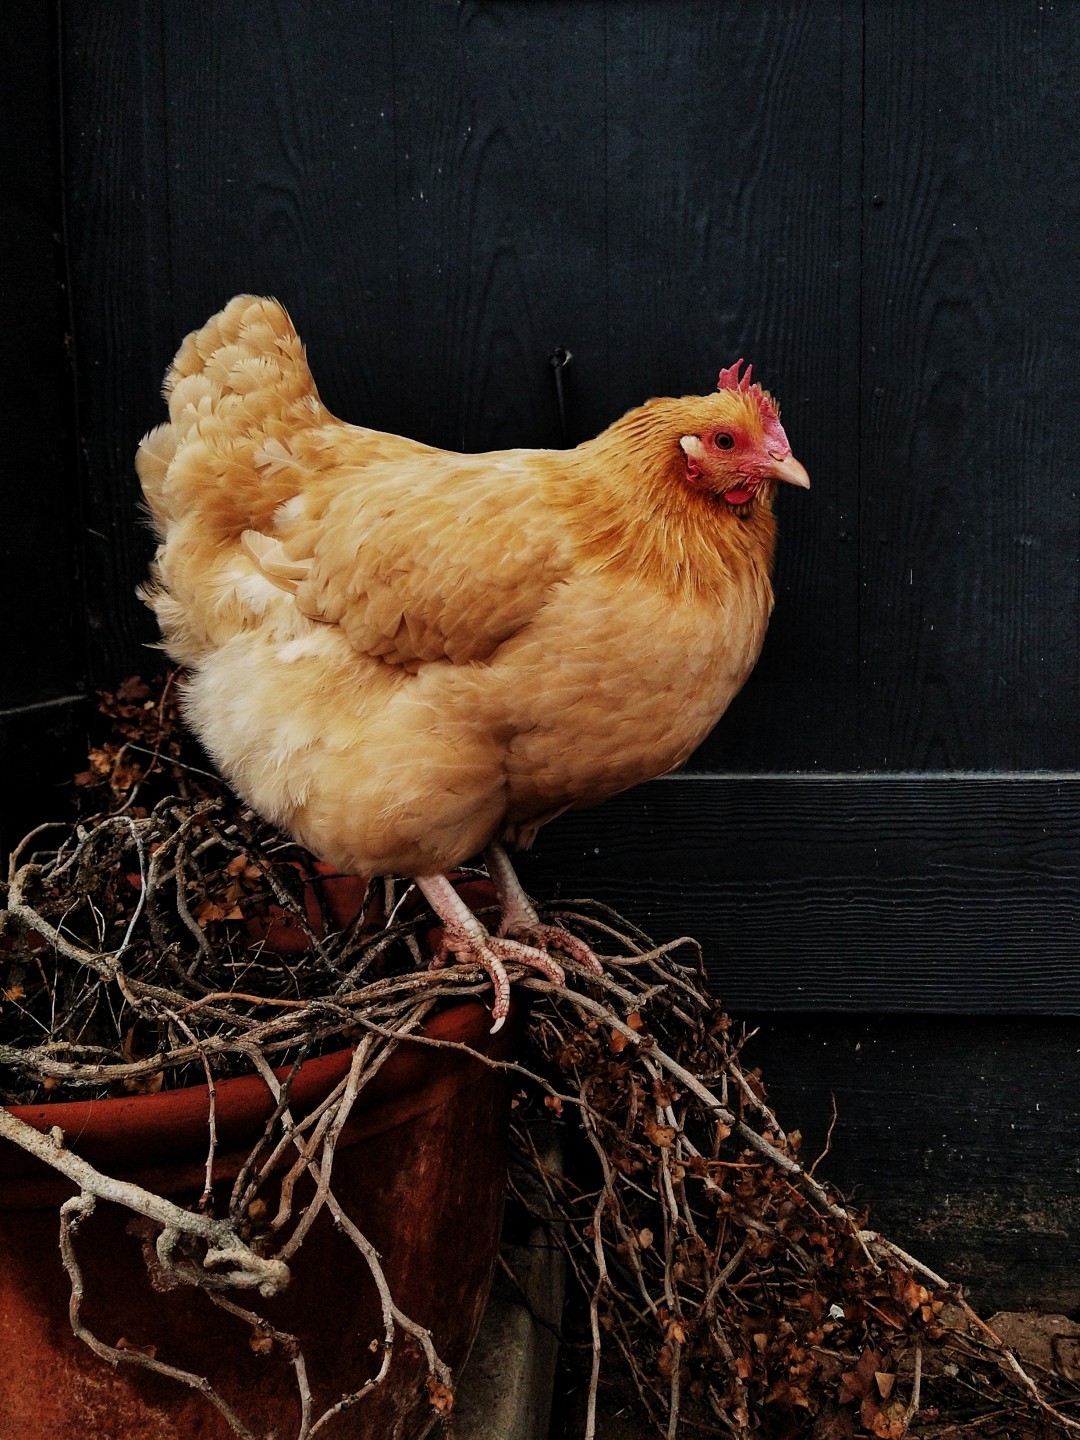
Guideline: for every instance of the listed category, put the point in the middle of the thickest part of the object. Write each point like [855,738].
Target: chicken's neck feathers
[632,515]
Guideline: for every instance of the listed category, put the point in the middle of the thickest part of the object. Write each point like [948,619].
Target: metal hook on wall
[559,359]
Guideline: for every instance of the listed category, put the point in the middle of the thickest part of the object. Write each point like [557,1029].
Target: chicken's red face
[744,449]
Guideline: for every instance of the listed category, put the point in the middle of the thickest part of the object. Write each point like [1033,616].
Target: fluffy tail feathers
[240,399]
[238,385]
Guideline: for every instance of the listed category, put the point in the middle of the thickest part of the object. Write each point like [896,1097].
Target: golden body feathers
[400,654]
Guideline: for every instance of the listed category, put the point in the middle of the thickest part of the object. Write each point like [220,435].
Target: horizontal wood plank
[959,1135]
[934,893]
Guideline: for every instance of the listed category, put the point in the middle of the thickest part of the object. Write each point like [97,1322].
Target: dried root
[719,1281]
[174,939]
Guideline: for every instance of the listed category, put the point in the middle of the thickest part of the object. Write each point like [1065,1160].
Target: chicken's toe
[556,937]
[466,939]
[494,954]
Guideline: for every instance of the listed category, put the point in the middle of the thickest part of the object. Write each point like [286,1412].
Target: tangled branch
[174,939]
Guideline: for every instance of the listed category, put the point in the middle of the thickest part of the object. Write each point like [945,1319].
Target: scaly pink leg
[519,918]
[471,943]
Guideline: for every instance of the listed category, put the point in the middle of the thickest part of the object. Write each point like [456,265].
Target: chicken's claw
[501,950]
[465,938]
[554,937]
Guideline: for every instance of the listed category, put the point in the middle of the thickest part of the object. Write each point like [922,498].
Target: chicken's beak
[791,471]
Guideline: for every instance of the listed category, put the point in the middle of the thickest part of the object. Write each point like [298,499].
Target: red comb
[775,439]
[729,378]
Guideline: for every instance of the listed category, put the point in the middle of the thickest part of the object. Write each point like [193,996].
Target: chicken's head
[743,447]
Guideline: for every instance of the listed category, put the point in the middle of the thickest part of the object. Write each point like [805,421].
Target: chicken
[404,657]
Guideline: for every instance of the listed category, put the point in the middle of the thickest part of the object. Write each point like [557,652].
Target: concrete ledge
[506,1388]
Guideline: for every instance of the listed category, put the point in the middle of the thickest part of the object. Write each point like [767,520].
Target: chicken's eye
[723,441]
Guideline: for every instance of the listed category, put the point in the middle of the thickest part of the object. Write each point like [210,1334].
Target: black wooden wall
[876,201]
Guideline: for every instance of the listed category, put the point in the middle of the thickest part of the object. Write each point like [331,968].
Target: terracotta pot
[420,1168]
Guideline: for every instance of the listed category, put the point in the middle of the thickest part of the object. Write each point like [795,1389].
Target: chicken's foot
[520,920]
[466,938]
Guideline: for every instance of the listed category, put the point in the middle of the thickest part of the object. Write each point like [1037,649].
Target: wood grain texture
[211,151]
[281,139]
[731,203]
[117,189]
[960,1135]
[445,193]
[501,147]
[883,893]
[971,421]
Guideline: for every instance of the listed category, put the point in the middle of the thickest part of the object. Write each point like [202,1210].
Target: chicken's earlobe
[692,447]
[694,451]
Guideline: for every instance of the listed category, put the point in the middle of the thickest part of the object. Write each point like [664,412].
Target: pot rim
[160,1141]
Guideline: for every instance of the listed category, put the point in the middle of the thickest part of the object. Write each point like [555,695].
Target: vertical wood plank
[971,429]
[281,131]
[118,196]
[39,590]
[217,149]
[501,187]
[732,231]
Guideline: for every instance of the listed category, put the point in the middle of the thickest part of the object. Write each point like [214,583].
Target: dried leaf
[885,1421]
[440,1395]
[133,688]
[909,1292]
[150,1351]
[261,1340]
[208,910]
[662,1136]
[857,1384]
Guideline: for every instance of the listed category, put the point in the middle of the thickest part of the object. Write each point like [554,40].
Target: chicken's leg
[519,918]
[471,943]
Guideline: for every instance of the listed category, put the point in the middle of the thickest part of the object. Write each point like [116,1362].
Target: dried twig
[72,1212]
[728,1282]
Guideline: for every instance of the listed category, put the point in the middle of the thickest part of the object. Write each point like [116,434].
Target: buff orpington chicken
[404,657]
